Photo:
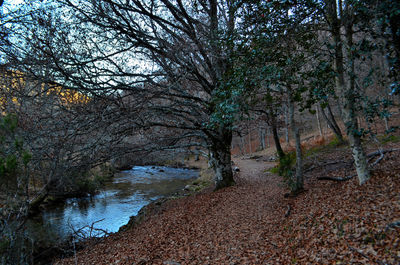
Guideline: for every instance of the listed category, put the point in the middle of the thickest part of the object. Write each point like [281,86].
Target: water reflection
[122,198]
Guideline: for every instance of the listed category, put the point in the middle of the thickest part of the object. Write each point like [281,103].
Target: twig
[364,255]
[289,208]
[80,233]
[393,225]
[358,251]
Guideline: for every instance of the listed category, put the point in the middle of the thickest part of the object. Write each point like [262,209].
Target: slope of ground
[252,223]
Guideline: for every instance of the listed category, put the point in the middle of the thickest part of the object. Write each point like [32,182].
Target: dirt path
[331,223]
[253,171]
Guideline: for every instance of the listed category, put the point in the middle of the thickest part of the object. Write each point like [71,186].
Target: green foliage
[86,185]
[26,157]
[376,108]
[313,151]
[335,142]
[285,168]
[13,158]
[91,181]
[274,170]
[389,138]
[226,105]
[4,243]
[9,123]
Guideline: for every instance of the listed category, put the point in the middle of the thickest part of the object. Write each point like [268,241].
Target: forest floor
[332,222]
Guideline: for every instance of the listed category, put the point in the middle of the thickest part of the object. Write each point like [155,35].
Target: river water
[129,191]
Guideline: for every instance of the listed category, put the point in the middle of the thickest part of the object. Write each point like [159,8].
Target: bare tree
[173,58]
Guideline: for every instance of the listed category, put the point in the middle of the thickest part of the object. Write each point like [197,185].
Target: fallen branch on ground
[382,152]
[378,160]
[393,225]
[370,156]
[381,155]
[323,165]
[337,178]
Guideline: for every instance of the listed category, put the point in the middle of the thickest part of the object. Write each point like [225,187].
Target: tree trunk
[360,159]
[221,159]
[242,146]
[332,124]
[278,146]
[386,123]
[346,93]
[286,124]
[298,182]
[359,156]
[249,130]
[261,133]
[319,122]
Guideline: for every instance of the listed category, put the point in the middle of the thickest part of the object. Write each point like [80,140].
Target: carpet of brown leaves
[330,223]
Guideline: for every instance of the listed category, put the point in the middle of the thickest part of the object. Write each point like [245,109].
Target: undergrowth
[286,168]
[389,139]
[286,165]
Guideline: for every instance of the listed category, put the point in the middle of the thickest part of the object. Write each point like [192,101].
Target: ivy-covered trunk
[220,151]
[346,90]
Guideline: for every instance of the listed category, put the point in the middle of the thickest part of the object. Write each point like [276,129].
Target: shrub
[286,168]
[389,138]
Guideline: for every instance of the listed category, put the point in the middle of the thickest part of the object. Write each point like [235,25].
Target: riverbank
[253,223]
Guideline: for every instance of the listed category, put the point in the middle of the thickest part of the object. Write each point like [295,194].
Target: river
[128,192]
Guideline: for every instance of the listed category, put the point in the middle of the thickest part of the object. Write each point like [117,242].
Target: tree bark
[386,120]
[298,178]
[261,131]
[319,122]
[286,124]
[332,123]
[278,146]
[249,130]
[221,158]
